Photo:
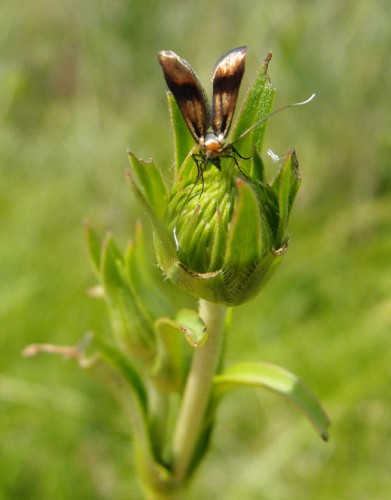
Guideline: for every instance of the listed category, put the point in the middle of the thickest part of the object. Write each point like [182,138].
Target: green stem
[198,389]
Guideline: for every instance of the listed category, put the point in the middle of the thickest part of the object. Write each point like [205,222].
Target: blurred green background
[79,83]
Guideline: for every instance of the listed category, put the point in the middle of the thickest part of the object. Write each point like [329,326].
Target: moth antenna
[264,118]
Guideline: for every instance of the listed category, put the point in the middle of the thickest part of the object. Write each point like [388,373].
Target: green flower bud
[220,232]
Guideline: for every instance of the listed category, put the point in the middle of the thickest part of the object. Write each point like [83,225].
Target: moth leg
[233,157]
[201,162]
[234,150]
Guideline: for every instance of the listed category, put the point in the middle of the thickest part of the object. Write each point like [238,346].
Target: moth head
[213,144]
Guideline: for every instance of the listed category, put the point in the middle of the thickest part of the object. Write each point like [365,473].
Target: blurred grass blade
[94,248]
[280,381]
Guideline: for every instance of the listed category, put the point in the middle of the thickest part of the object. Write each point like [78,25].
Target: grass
[79,84]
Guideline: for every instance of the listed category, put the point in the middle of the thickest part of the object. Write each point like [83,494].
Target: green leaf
[257,103]
[125,368]
[218,242]
[109,265]
[152,184]
[258,169]
[280,381]
[261,274]
[183,140]
[170,367]
[268,203]
[245,236]
[169,371]
[295,179]
[120,376]
[133,329]
[164,243]
[192,327]
[149,297]
[286,186]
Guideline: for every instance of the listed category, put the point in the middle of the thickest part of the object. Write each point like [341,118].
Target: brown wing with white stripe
[227,77]
[188,92]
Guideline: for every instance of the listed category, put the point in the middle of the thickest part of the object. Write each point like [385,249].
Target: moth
[208,126]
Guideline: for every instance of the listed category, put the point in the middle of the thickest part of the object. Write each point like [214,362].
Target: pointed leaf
[245,236]
[295,179]
[268,202]
[115,370]
[164,244]
[257,103]
[111,257]
[280,381]
[257,169]
[133,329]
[123,365]
[218,242]
[286,186]
[152,184]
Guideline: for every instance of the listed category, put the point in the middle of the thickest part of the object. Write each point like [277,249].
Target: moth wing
[227,77]
[188,92]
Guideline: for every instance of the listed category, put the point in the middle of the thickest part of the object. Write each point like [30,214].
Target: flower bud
[220,230]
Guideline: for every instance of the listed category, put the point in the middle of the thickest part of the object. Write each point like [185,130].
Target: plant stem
[198,388]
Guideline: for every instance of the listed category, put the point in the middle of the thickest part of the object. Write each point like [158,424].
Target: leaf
[164,244]
[152,184]
[169,370]
[286,186]
[257,168]
[257,104]
[278,380]
[125,368]
[295,179]
[111,259]
[192,327]
[117,372]
[132,328]
[150,298]
[245,236]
